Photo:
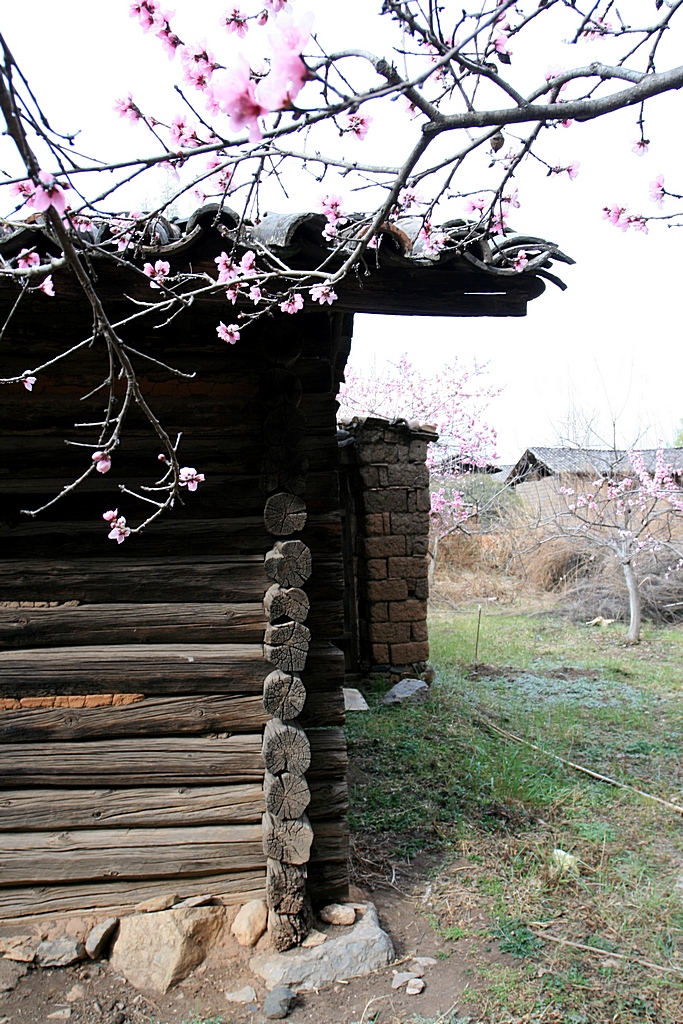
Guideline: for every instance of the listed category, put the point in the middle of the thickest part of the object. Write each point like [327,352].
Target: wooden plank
[154,669]
[58,810]
[196,715]
[228,580]
[328,882]
[28,858]
[37,903]
[160,761]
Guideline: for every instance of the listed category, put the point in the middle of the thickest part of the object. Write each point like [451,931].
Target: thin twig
[605,952]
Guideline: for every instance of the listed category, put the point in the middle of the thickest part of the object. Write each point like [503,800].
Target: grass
[435,777]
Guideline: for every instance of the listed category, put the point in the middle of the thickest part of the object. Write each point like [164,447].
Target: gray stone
[278,1002]
[402,978]
[360,951]
[60,952]
[99,936]
[10,972]
[354,700]
[414,690]
[60,1014]
[243,995]
[155,951]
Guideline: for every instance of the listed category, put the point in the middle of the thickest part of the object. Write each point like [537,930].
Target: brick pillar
[391,484]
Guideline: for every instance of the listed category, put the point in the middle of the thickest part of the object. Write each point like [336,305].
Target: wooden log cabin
[171,708]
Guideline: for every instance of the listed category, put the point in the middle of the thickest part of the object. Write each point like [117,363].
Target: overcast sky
[608,349]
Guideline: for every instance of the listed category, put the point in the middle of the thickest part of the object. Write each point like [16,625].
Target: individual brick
[404,654]
[390,632]
[383,547]
[407,474]
[374,569]
[387,590]
[380,654]
[418,451]
[370,454]
[373,525]
[409,610]
[385,499]
[403,568]
[423,500]
[422,589]
[418,631]
[378,611]
[417,545]
[411,523]
[370,475]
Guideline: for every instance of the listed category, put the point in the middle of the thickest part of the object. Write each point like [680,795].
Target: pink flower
[572,169]
[169,40]
[48,194]
[127,108]
[27,259]
[235,95]
[595,28]
[227,271]
[614,214]
[657,191]
[407,198]
[190,478]
[255,294]
[102,461]
[25,189]
[47,287]
[288,72]
[478,203]
[293,304]
[640,147]
[119,530]
[432,241]
[323,293]
[28,382]
[235,21]
[520,261]
[110,516]
[356,124]
[230,333]
[144,11]
[183,133]
[232,293]
[277,5]
[157,273]
[248,262]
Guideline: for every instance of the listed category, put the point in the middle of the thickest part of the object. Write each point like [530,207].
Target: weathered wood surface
[328,882]
[133,762]
[27,858]
[153,669]
[286,795]
[286,748]
[287,930]
[285,886]
[287,840]
[38,902]
[158,761]
[284,695]
[286,645]
[285,425]
[196,715]
[100,581]
[229,534]
[58,810]
[289,563]
[30,858]
[284,467]
[288,603]
[284,514]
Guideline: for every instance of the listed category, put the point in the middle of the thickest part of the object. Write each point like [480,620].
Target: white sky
[609,347]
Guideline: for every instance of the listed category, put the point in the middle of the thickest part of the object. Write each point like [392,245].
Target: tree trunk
[633,636]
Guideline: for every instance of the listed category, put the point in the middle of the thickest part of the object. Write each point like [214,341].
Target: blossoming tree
[268,98]
[635,511]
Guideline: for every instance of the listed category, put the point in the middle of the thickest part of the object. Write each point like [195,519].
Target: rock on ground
[414,987]
[354,700]
[156,950]
[60,952]
[250,923]
[361,950]
[278,1002]
[10,972]
[243,995]
[338,913]
[99,936]
[413,690]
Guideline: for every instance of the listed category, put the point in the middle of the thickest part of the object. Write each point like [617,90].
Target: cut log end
[286,646]
[289,563]
[287,840]
[284,514]
[286,603]
[284,695]
[286,748]
[286,795]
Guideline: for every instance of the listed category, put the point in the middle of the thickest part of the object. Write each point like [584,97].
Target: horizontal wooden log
[154,669]
[286,645]
[27,858]
[24,904]
[98,581]
[328,882]
[289,563]
[60,810]
[287,840]
[154,716]
[286,795]
[287,603]
[159,761]
[284,514]
[286,748]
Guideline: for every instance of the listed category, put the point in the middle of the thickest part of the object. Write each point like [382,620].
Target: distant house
[537,463]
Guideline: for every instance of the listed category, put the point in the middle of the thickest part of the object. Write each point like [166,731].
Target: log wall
[388,525]
[170,708]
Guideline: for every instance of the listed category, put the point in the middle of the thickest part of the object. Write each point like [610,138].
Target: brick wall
[389,482]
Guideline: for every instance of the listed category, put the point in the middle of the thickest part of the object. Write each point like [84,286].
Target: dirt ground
[108,999]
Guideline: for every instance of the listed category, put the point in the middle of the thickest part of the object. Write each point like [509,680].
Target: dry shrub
[558,563]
